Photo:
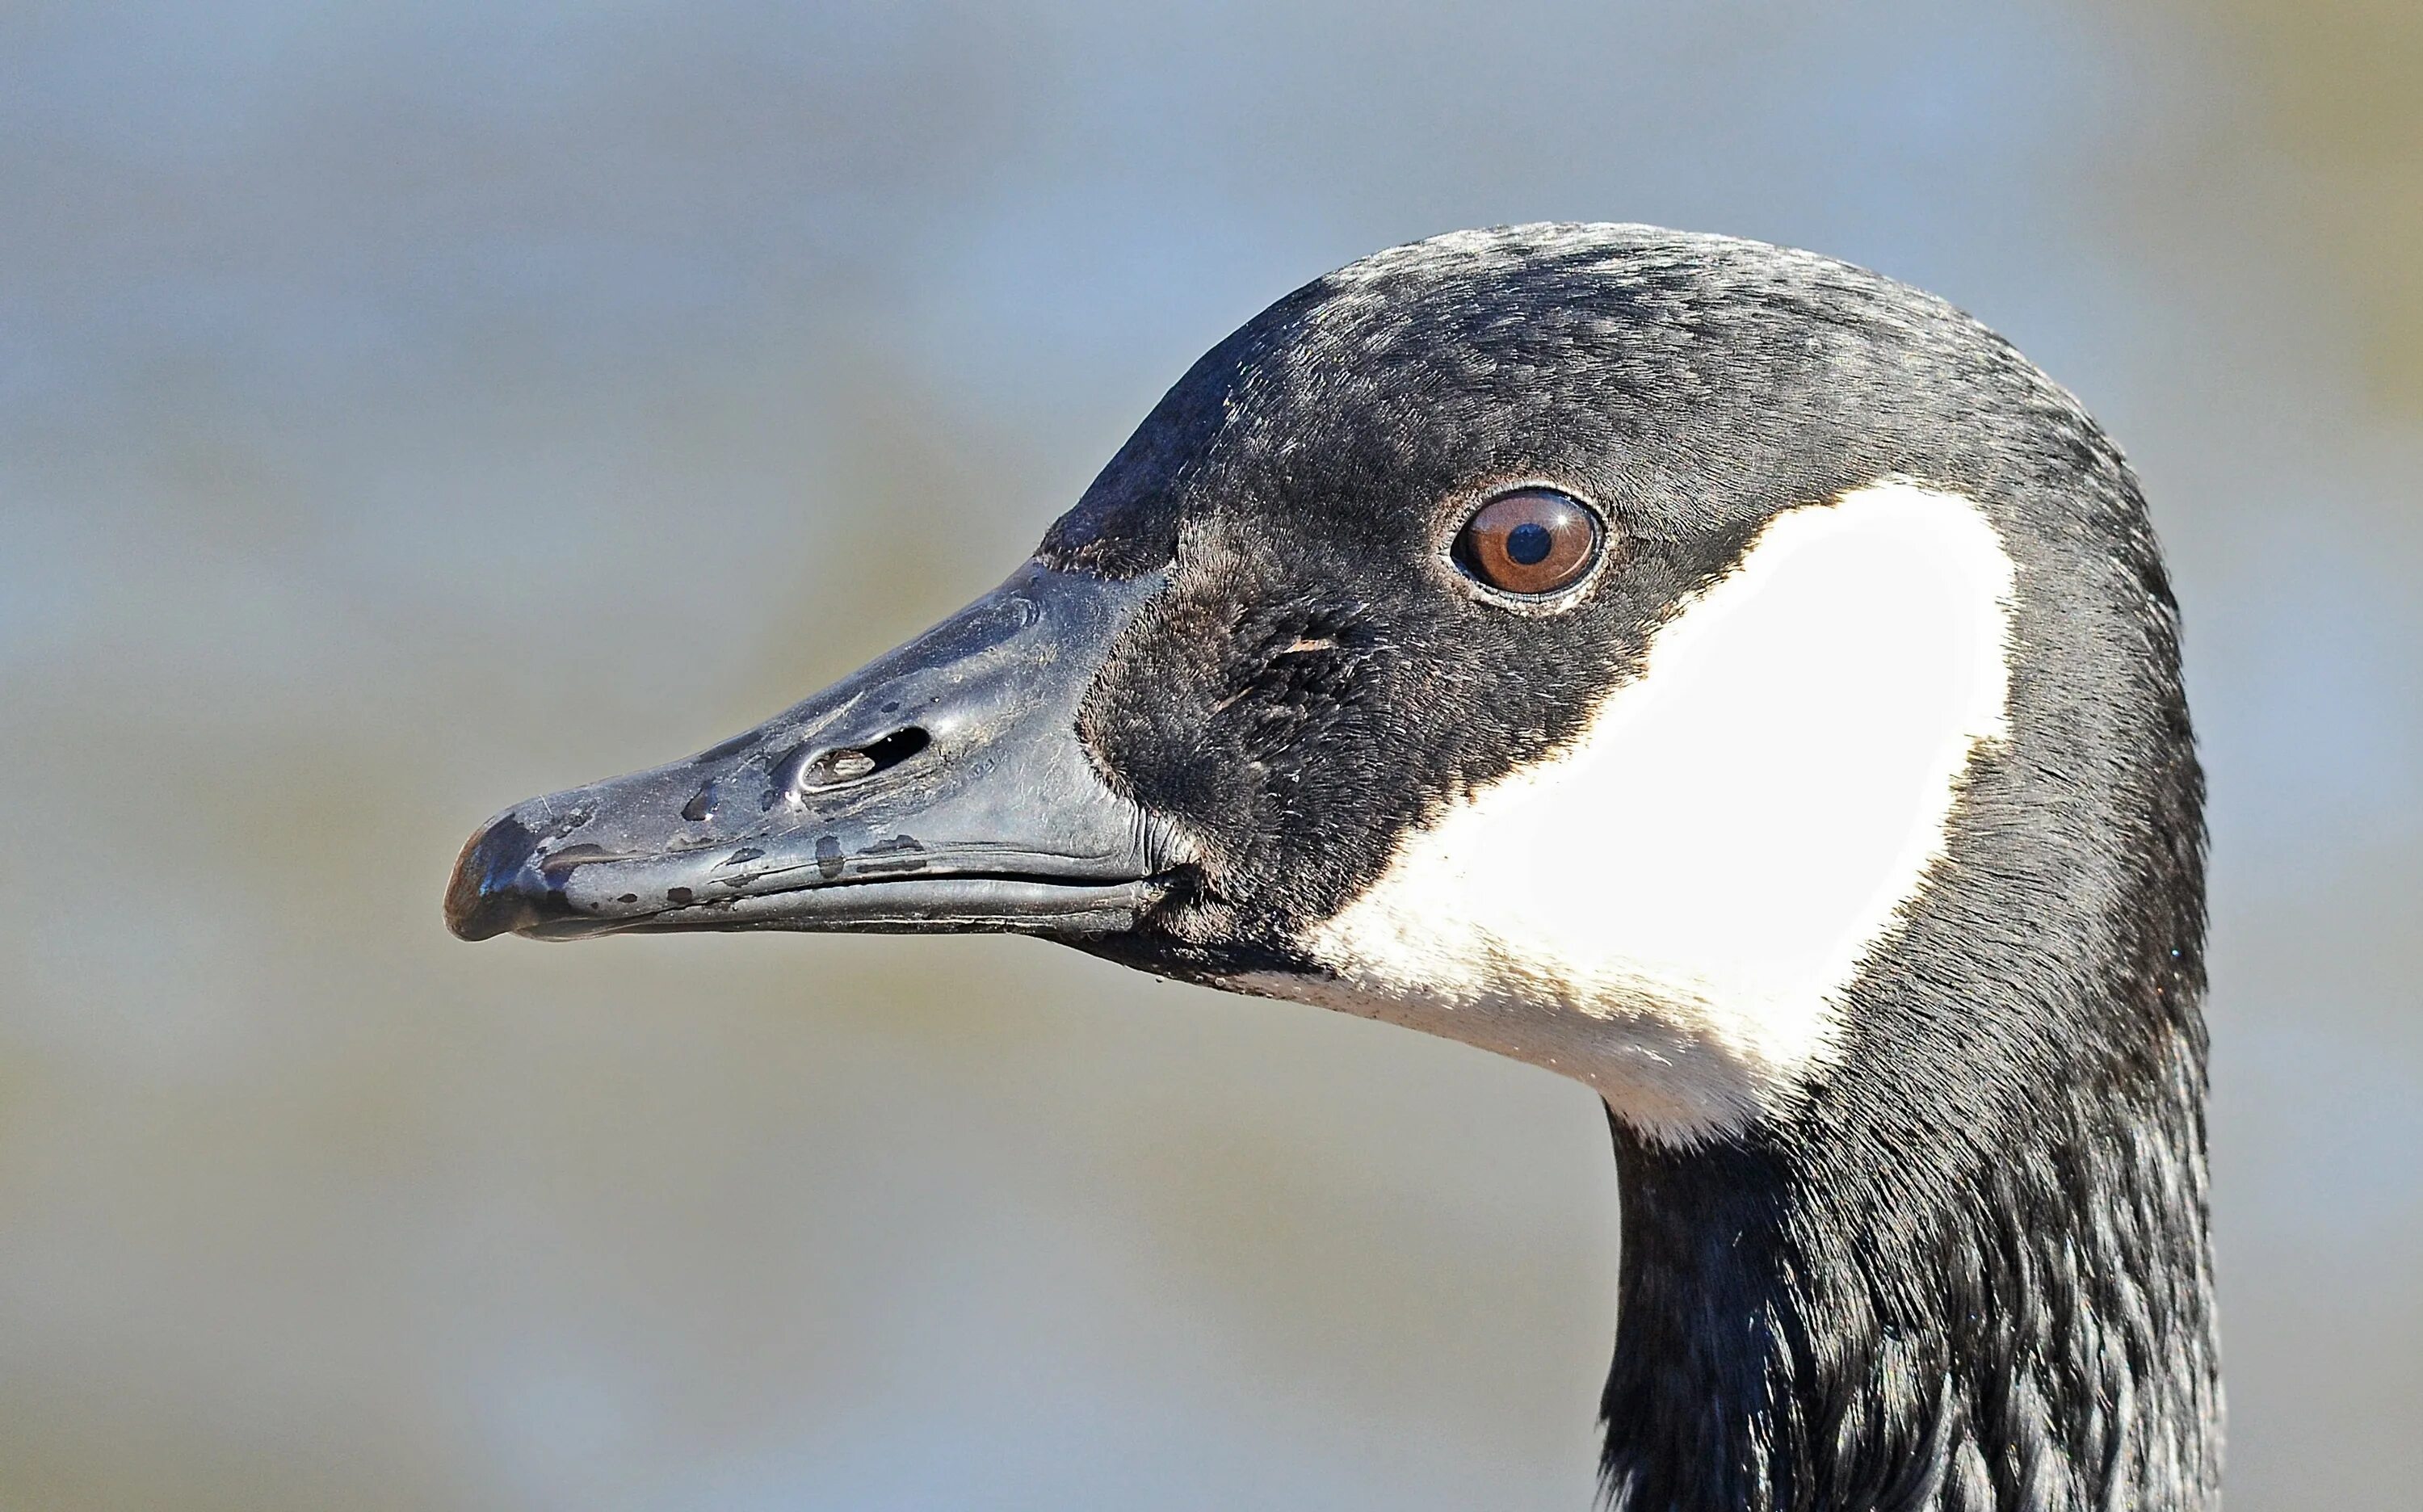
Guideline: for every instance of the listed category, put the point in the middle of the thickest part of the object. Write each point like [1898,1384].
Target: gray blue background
[407,408]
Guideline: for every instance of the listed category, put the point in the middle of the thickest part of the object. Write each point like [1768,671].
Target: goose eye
[1532,541]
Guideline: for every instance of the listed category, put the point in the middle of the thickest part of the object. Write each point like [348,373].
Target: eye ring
[1529,543]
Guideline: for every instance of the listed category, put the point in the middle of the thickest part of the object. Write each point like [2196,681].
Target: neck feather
[1808,1323]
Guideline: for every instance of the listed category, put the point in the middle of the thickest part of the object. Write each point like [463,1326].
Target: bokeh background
[406,408]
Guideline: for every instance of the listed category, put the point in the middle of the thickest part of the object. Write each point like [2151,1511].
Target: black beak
[944,788]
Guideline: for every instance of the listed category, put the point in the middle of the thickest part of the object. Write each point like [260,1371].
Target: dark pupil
[1529,543]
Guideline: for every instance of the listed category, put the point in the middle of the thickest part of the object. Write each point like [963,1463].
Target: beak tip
[481,900]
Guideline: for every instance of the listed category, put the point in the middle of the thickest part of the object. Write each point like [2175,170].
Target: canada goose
[1719,674]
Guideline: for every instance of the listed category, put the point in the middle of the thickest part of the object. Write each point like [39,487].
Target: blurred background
[345,351]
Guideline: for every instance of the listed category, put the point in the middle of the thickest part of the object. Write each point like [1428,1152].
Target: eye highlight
[1532,541]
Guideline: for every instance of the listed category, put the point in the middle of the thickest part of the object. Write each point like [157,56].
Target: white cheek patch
[1670,906]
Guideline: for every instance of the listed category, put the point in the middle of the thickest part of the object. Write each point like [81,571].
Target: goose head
[1716,674]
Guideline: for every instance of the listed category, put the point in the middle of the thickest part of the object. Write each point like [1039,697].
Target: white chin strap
[1670,907]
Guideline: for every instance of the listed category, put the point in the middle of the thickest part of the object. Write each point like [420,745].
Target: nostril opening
[896,747]
[853,763]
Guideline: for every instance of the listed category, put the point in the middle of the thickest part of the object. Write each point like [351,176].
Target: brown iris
[1531,542]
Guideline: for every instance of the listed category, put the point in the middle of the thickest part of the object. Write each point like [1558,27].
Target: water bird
[1729,678]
